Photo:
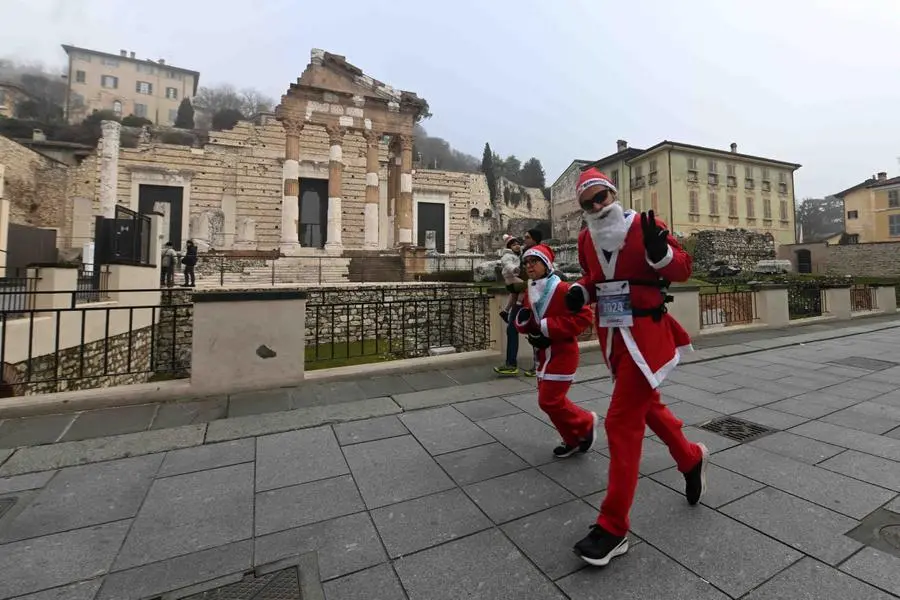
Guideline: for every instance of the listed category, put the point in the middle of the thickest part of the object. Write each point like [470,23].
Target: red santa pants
[634,403]
[571,421]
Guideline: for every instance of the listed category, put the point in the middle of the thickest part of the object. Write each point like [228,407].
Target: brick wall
[36,187]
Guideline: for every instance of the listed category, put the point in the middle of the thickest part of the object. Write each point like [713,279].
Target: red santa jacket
[655,346]
[550,316]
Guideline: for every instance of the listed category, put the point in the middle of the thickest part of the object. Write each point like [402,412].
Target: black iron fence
[805,300]
[268,269]
[727,304]
[14,290]
[863,298]
[355,326]
[82,347]
[123,239]
[92,286]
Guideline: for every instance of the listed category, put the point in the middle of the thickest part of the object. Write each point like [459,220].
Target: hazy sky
[808,81]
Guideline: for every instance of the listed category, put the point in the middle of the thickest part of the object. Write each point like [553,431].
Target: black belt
[657,283]
[656,313]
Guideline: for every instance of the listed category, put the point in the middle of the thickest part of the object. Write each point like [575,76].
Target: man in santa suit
[552,329]
[628,262]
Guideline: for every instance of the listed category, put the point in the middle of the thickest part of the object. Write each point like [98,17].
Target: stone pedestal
[245,234]
[240,342]
[290,201]
[685,307]
[837,302]
[772,305]
[886,299]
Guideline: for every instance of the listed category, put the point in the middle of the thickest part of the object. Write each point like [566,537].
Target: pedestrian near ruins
[512,270]
[628,261]
[167,266]
[189,261]
[552,330]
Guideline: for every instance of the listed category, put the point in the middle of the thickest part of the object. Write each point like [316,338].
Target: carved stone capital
[373,138]
[335,134]
[406,142]
[292,127]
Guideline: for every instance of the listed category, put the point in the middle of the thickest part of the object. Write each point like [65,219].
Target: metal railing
[262,269]
[83,347]
[378,325]
[863,298]
[806,300]
[14,290]
[92,286]
[727,305]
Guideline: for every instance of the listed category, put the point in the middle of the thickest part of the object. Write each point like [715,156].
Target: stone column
[4,224]
[335,177]
[290,200]
[371,214]
[109,167]
[403,218]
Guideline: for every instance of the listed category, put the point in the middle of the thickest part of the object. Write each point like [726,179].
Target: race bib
[614,304]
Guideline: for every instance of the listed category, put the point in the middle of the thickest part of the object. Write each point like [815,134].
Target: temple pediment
[330,78]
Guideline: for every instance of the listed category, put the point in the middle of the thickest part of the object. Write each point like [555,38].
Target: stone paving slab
[807,527]
[33,430]
[85,496]
[809,578]
[67,454]
[175,414]
[834,491]
[391,510]
[110,421]
[462,393]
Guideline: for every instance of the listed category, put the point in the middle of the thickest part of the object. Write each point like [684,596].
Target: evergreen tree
[532,174]
[487,167]
[185,117]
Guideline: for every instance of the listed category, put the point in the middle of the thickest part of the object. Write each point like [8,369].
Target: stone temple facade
[330,172]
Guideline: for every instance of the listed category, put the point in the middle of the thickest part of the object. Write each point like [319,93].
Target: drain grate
[737,429]
[880,530]
[294,578]
[865,363]
[5,505]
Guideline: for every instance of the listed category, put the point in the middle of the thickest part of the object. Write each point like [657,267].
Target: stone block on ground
[31,431]
[393,470]
[299,505]
[110,421]
[208,456]
[799,448]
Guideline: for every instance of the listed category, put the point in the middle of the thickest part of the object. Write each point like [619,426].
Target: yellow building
[693,188]
[126,85]
[872,210]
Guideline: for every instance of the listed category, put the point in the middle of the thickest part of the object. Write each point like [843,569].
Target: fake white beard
[607,227]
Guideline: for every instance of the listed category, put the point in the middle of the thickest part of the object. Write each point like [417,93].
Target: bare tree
[253,102]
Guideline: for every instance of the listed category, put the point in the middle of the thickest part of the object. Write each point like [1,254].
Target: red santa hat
[593,177]
[542,253]
[508,240]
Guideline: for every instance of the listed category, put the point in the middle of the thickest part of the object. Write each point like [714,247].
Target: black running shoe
[565,451]
[695,479]
[600,547]
[588,442]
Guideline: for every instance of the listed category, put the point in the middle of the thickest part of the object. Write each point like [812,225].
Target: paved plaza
[442,485]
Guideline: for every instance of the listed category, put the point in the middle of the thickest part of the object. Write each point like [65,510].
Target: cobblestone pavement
[452,492]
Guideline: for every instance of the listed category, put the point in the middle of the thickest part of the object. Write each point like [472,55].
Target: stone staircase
[283,271]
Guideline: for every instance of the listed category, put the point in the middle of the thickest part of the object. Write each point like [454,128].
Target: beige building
[872,210]
[694,188]
[126,85]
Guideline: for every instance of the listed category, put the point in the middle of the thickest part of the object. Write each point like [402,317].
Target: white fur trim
[544,330]
[665,259]
[522,322]
[596,181]
[554,283]
[557,377]
[653,378]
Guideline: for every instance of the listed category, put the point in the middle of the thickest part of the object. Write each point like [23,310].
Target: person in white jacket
[510,264]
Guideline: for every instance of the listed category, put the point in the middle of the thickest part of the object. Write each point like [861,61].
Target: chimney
[123,53]
[162,61]
[621,145]
[37,135]
[882,176]
[733,147]
[132,55]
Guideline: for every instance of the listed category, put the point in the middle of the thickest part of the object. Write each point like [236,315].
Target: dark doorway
[804,261]
[165,199]
[431,217]
[28,245]
[313,212]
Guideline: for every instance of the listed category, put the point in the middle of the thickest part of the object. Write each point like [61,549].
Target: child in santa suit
[552,329]
[628,262]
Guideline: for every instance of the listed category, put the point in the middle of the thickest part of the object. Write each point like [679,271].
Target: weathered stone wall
[877,259]
[464,193]
[123,359]
[566,214]
[413,318]
[736,247]
[174,333]
[36,187]
[516,201]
